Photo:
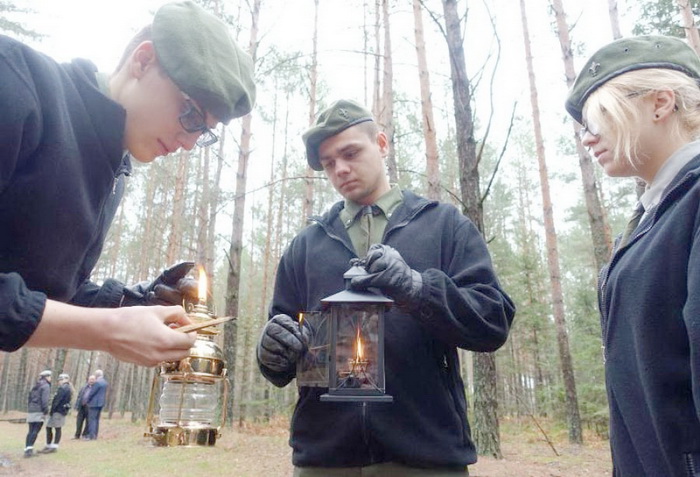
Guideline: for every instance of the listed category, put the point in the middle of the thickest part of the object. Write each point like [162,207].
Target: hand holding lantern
[388,271]
[171,287]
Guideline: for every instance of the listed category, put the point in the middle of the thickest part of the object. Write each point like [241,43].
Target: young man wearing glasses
[67,135]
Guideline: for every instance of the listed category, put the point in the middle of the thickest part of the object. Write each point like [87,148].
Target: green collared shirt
[366,224]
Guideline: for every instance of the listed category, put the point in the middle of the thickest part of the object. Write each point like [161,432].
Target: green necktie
[632,224]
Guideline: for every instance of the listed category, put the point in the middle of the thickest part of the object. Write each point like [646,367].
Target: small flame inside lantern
[359,346]
[202,285]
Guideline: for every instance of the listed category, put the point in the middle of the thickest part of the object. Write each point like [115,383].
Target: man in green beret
[68,133]
[433,262]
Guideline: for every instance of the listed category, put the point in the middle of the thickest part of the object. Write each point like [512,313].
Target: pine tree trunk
[23,377]
[486,431]
[572,409]
[614,19]
[233,281]
[691,31]
[431,149]
[203,209]
[387,118]
[4,383]
[600,229]
[213,209]
[307,209]
[376,90]
[174,242]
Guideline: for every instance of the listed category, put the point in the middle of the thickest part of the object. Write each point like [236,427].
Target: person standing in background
[59,408]
[37,410]
[638,103]
[81,420]
[95,403]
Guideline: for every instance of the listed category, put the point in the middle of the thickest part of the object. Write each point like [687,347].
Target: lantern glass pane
[357,355]
[312,367]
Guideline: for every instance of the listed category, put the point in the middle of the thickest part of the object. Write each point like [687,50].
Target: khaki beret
[335,119]
[629,54]
[197,52]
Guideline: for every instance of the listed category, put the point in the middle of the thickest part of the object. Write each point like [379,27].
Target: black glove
[170,288]
[389,272]
[282,343]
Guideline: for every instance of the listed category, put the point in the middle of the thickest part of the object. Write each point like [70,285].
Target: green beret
[197,52]
[629,54]
[335,119]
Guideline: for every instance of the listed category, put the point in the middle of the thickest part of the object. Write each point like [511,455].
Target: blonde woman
[638,103]
[59,408]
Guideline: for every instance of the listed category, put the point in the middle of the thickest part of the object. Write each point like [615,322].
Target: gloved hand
[282,343]
[170,288]
[391,274]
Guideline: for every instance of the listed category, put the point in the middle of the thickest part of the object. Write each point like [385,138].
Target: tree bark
[614,19]
[572,409]
[387,118]
[431,149]
[600,229]
[233,280]
[376,95]
[174,246]
[486,430]
[691,31]
[308,206]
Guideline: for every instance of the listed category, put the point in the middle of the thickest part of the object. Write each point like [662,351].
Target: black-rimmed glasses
[193,121]
[586,129]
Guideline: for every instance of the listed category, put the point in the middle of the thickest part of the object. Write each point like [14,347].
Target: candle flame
[202,285]
[359,345]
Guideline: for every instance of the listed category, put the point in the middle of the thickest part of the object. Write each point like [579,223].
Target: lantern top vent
[372,296]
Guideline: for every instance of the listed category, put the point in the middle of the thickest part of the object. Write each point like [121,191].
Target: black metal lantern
[356,353]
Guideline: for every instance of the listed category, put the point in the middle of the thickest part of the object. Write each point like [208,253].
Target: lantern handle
[358,262]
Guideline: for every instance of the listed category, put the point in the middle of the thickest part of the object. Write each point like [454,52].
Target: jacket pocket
[455,390]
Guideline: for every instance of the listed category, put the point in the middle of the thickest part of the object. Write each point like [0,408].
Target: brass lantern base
[176,436]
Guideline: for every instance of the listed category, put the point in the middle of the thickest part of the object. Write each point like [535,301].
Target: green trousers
[386,469]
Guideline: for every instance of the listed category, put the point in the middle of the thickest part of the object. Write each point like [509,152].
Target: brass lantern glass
[356,352]
[189,410]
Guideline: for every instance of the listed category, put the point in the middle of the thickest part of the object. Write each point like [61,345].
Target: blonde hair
[614,107]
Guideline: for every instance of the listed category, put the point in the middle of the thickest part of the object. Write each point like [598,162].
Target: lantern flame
[359,346]
[202,285]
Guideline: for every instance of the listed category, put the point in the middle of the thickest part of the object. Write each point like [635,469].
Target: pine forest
[471,95]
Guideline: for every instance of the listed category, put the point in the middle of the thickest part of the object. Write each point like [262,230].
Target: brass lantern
[356,351]
[190,412]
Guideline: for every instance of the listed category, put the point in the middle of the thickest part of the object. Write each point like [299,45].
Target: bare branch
[500,156]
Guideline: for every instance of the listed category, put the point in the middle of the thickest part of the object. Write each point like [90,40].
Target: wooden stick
[204,324]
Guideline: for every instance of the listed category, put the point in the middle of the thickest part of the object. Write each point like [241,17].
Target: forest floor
[261,450]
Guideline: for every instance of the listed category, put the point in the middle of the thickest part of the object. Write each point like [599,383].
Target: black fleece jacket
[61,180]
[650,308]
[462,306]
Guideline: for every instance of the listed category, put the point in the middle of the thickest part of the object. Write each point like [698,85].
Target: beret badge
[593,69]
